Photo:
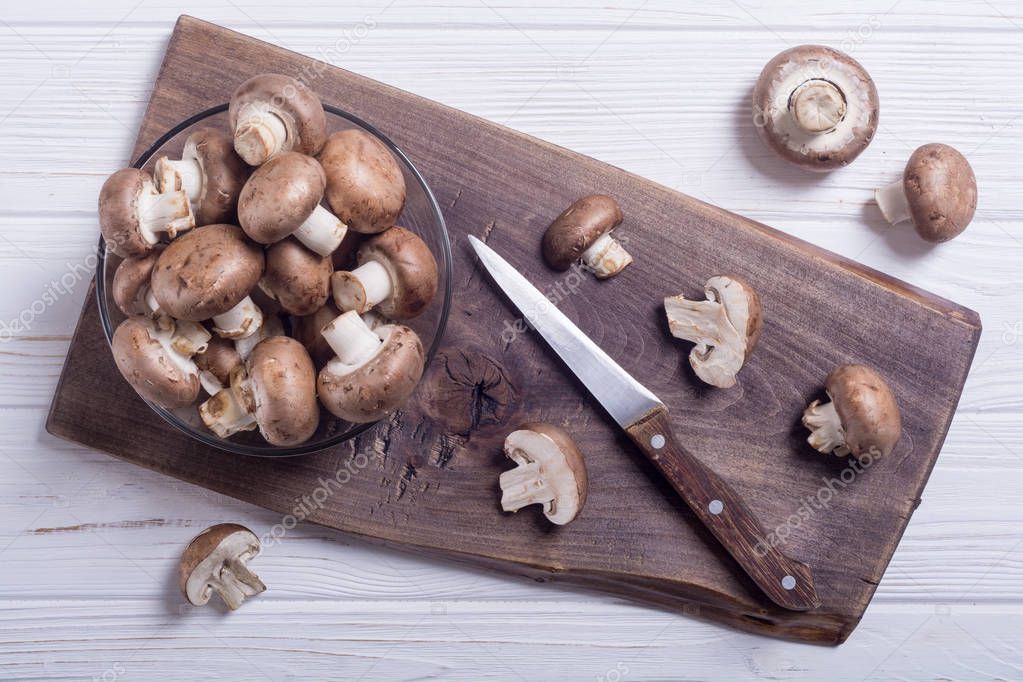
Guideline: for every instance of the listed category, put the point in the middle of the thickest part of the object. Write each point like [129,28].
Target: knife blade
[787,582]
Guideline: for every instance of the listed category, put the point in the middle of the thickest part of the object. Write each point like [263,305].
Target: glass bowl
[421,214]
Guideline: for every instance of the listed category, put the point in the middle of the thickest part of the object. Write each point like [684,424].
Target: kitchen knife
[787,582]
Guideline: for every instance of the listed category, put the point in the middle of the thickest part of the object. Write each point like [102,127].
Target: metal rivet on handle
[788,582]
[716,507]
[657,442]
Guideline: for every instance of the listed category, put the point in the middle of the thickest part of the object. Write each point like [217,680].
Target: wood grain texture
[422,484]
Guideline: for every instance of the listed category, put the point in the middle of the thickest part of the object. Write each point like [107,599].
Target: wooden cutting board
[426,479]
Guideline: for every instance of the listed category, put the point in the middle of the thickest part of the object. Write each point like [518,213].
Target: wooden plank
[429,479]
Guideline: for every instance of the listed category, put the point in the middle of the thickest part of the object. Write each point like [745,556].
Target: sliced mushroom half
[216,560]
[550,472]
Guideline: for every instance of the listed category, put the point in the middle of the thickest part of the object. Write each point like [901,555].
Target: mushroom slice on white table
[216,561]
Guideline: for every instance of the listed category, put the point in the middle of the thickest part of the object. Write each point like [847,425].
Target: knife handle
[787,582]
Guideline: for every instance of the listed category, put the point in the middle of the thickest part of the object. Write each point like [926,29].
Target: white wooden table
[88,544]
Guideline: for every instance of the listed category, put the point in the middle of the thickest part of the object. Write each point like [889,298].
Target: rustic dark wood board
[429,481]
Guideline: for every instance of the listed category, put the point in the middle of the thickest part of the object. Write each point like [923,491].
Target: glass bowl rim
[305,448]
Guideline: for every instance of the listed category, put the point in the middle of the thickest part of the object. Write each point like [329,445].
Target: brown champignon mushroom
[725,327]
[156,363]
[297,278]
[130,286]
[215,561]
[133,214]
[938,192]
[816,107]
[550,472]
[862,418]
[397,274]
[209,172]
[583,232]
[209,273]
[273,113]
[282,198]
[306,330]
[365,185]
[216,363]
[275,391]
[374,371]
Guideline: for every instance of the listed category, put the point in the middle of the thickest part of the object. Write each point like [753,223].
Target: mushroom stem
[237,572]
[826,433]
[259,136]
[362,288]
[321,232]
[892,201]
[184,174]
[168,212]
[227,411]
[209,382]
[817,106]
[241,321]
[523,486]
[167,337]
[189,338]
[271,327]
[352,341]
[606,257]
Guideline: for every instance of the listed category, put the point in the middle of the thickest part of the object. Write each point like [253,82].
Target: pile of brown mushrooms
[235,283]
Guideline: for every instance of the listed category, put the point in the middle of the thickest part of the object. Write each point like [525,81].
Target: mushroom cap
[219,359]
[941,191]
[535,439]
[365,185]
[296,105]
[742,306]
[411,267]
[283,383]
[381,384]
[578,227]
[296,277]
[279,196]
[206,272]
[150,367]
[119,211]
[867,409]
[224,175]
[205,543]
[306,330]
[808,64]
[131,281]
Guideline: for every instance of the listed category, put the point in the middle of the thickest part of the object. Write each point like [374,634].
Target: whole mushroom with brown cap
[550,472]
[274,391]
[397,274]
[156,363]
[725,327]
[273,113]
[583,232]
[130,286]
[282,198]
[297,278]
[938,192]
[133,214]
[374,371]
[816,107]
[217,363]
[365,185]
[209,172]
[862,418]
[209,273]
[216,561]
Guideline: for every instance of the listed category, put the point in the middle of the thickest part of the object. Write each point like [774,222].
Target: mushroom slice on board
[282,198]
[133,214]
[210,173]
[209,273]
[297,278]
[275,391]
[583,232]
[216,561]
[550,472]
[862,419]
[157,361]
[273,113]
[365,185]
[725,327]
[816,107]
[397,274]
[938,192]
[374,371]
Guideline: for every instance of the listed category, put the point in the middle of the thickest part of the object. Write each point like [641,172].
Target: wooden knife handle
[788,583]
